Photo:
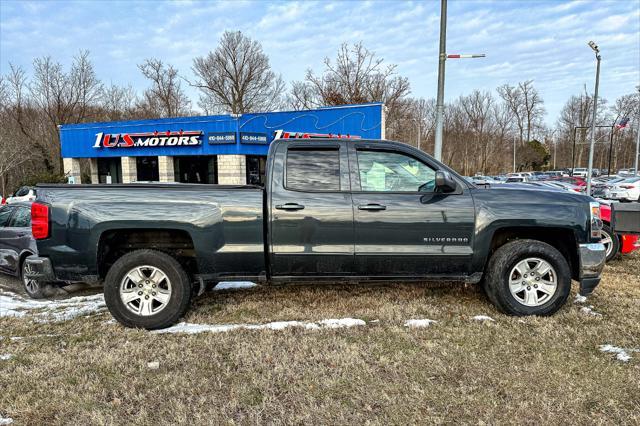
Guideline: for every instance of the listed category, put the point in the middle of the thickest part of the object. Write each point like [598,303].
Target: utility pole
[437,151]
[638,134]
[514,153]
[595,112]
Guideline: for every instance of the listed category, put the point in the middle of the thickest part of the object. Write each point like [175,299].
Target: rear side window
[5,214]
[313,169]
[21,218]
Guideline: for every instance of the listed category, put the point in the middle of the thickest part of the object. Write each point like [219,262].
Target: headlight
[596,221]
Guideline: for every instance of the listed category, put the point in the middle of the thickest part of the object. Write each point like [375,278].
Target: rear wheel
[528,277]
[611,242]
[147,289]
[34,288]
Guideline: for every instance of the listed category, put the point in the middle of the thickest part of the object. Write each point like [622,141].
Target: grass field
[531,370]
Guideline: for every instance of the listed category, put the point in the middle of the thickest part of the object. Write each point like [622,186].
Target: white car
[627,190]
[25,193]
[580,172]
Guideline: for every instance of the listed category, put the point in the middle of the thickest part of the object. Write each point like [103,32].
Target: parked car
[17,244]
[580,172]
[25,193]
[355,210]
[626,190]
[615,243]
[602,187]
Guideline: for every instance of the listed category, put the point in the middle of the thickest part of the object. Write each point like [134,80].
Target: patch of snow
[16,338]
[622,354]
[14,305]
[234,285]
[580,299]
[483,318]
[6,420]
[5,357]
[417,323]
[153,365]
[190,328]
[588,310]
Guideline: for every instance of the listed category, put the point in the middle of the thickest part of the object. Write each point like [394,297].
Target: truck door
[403,227]
[311,215]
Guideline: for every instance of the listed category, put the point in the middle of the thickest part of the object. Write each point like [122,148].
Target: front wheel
[147,289]
[528,277]
[610,241]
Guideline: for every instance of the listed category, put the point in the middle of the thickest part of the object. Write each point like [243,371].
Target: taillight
[39,221]
[626,186]
[596,221]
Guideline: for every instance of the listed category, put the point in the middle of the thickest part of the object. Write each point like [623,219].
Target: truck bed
[223,223]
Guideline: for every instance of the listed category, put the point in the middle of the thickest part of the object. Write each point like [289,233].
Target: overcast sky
[545,41]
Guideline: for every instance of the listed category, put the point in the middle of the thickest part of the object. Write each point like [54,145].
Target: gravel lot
[380,360]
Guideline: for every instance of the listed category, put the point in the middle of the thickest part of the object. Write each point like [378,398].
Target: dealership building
[224,149]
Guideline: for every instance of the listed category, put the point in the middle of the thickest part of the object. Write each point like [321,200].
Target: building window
[196,169]
[109,170]
[147,168]
[256,170]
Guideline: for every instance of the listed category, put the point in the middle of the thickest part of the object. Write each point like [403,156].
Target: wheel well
[561,238]
[115,243]
[23,256]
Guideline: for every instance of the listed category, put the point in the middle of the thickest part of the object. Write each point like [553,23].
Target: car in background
[601,187]
[615,244]
[25,193]
[517,179]
[580,172]
[17,244]
[627,172]
[626,190]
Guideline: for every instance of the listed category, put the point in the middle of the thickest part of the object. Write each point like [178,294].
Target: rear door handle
[290,206]
[372,207]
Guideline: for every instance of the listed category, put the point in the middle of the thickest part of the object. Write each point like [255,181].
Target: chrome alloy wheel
[145,290]
[32,286]
[607,240]
[533,281]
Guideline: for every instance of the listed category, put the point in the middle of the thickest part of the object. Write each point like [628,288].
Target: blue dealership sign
[246,134]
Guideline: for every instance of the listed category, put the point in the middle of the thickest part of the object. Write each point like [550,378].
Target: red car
[615,243]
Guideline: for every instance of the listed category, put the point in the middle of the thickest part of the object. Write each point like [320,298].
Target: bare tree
[165,97]
[237,77]
[526,104]
[118,102]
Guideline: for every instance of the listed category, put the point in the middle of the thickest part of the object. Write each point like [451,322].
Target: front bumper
[39,268]
[592,260]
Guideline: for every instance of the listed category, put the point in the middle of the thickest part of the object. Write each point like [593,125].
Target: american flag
[623,123]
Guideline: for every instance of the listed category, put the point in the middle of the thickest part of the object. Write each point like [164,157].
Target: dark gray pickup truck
[331,210]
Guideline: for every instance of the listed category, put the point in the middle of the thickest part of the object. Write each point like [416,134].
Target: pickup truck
[331,210]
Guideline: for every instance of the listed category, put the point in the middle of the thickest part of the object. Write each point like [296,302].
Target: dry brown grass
[514,370]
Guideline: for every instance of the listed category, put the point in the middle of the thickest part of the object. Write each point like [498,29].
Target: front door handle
[372,207]
[290,206]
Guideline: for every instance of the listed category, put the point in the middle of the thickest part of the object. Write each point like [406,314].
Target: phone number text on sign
[221,138]
[254,138]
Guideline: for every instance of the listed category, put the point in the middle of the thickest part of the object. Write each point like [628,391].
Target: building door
[147,169]
[196,169]
[109,170]
[256,169]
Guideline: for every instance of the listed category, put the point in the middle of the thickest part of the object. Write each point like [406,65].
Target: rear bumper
[592,260]
[39,268]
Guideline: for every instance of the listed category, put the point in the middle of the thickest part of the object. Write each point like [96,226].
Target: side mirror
[444,181]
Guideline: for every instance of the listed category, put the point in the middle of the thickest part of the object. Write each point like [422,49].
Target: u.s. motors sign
[148,139]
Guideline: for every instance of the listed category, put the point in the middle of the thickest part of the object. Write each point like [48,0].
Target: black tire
[35,289]
[505,258]
[179,299]
[614,248]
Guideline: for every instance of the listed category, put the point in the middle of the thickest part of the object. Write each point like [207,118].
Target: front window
[382,171]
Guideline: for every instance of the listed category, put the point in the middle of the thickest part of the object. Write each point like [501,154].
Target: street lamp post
[514,153]
[437,149]
[593,46]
